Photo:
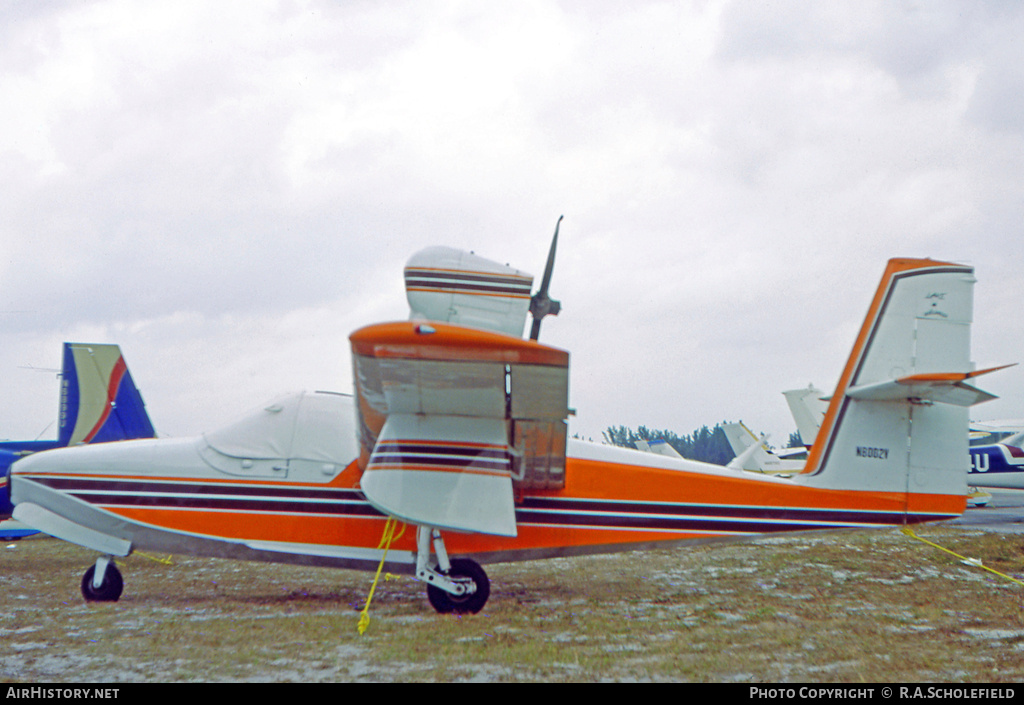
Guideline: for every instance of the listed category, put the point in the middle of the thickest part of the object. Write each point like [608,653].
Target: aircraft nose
[24,468]
[52,470]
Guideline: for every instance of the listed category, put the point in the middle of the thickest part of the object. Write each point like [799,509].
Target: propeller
[540,303]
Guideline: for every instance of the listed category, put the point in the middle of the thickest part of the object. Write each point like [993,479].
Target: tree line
[708,445]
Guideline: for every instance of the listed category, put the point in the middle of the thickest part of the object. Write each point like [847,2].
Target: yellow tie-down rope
[969,561]
[155,559]
[386,540]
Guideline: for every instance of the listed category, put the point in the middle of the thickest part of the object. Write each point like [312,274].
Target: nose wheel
[102,582]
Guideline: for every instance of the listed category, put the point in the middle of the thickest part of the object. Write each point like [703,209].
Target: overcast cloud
[228,189]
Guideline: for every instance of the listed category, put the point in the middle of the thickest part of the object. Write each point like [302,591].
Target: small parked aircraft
[459,431]
[998,465]
[98,402]
[753,455]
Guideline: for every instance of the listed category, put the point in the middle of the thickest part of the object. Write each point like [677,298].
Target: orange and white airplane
[457,427]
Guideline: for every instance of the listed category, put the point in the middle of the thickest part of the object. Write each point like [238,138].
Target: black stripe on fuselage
[579,513]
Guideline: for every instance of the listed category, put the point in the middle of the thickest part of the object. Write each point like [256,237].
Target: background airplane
[459,432]
[658,446]
[98,402]
[753,455]
[998,465]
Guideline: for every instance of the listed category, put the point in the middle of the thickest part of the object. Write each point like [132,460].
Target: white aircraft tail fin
[808,409]
[897,421]
[658,446]
[748,448]
[752,453]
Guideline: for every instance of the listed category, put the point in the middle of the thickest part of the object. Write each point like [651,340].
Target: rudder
[99,401]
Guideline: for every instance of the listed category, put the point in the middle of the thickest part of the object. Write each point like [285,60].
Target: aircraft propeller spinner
[540,303]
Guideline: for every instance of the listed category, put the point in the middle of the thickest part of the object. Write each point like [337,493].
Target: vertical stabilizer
[897,421]
[98,398]
[808,410]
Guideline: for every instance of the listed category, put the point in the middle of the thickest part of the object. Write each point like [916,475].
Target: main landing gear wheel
[108,591]
[446,603]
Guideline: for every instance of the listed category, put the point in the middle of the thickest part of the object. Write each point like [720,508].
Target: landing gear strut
[458,585]
[102,582]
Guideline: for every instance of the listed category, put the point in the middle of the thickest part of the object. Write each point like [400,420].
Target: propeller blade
[541,304]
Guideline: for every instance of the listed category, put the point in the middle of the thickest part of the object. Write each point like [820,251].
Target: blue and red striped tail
[99,401]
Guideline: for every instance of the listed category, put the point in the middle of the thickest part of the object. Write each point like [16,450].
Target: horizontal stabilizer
[446,472]
[942,388]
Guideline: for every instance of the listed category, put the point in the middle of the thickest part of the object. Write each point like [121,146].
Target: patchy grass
[842,607]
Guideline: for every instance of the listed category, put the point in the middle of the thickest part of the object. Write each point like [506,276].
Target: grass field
[841,607]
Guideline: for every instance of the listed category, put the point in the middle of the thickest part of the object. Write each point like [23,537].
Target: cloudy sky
[228,189]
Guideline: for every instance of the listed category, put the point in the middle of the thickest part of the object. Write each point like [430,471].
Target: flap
[446,472]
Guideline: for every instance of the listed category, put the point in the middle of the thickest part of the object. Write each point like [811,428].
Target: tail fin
[739,436]
[98,398]
[753,455]
[749,449]
[658,446]
[808,410]
[897,421]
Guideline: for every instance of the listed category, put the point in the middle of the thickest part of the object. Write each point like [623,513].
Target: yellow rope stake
[969,561]
[385,542]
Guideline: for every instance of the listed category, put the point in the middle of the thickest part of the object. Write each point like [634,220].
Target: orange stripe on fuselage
[655,488]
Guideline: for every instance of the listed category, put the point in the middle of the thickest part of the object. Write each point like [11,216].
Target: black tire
[109,591]
[446,603]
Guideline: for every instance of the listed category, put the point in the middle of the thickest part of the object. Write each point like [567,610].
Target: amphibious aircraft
[98,402]
[459,431]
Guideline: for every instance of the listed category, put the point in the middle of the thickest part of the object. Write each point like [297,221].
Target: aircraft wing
[452,419]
